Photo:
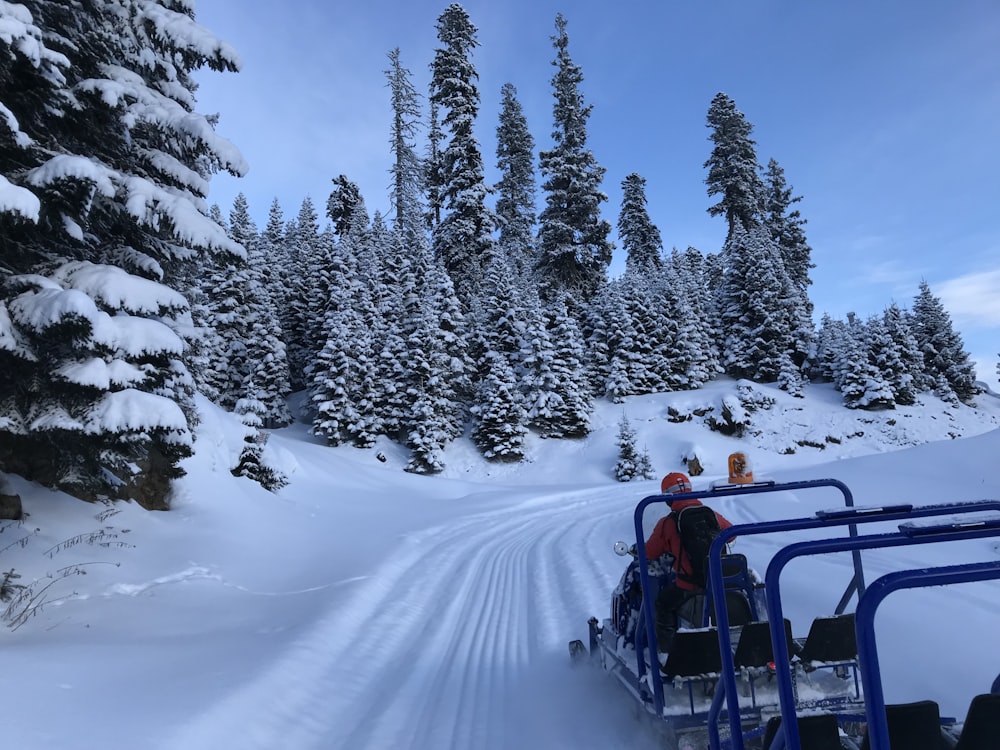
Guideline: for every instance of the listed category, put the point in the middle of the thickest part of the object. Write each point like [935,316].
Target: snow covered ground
[363,607]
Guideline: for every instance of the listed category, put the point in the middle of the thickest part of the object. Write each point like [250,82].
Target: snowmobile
[733,680]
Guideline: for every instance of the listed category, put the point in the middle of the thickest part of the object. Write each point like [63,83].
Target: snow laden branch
[144,105]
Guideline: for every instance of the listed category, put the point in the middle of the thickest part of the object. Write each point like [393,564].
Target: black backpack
[697,526]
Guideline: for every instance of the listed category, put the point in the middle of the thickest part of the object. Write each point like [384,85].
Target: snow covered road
[456,641]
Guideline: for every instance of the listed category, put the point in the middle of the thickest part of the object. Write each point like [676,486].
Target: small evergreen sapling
[646,465]
[631,464]
[251,463]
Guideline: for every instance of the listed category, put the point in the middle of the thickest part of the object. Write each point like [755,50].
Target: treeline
[467,310]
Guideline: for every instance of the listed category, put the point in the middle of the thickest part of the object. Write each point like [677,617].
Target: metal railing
[907,535]
[850,514]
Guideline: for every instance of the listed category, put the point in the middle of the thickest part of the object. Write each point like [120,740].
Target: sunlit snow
[364,607]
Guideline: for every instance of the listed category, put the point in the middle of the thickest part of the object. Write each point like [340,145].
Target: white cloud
[891,273]
[973,299]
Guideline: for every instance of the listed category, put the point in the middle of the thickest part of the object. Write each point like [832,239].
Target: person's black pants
[668,602]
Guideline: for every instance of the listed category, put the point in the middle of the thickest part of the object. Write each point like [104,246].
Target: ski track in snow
[458,640]
[439,648]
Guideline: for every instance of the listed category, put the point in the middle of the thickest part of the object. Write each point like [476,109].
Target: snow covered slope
[363,607]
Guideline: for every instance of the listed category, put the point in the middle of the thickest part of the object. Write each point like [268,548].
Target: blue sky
[885,117]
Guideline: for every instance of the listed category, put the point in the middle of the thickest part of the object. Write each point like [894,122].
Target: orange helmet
[675,482]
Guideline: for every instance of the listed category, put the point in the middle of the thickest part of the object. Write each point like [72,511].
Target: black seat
[816,732]
[754,647]
[981,730]
[737,607]
[831,639]
[913,726]
[693,653]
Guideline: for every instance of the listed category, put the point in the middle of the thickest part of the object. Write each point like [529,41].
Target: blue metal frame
[908,535]
[851,514]
[849,517]
[871,675]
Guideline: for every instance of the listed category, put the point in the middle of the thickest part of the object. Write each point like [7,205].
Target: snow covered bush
[735,419]
[751,398]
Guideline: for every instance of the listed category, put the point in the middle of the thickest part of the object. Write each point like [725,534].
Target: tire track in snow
[456,677]
[434,650]
[466,684]
[503,601]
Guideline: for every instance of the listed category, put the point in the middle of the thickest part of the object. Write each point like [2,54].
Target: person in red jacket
[665,540]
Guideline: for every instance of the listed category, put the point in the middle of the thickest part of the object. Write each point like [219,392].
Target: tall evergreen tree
[103,175]
[319,295]
[946,362]
[205,344]
[900,358]
[733,169]
[435,414]
[499,319]
[398,305]
[463,239]
[826,349]
[332,386]
[228,290]
[276,259]
[573,247]
[756,300]
[567,415]
[670,359]
[306,249]
[345,199]
[344,374]
[499,417]
[698,319]
[639,236]
[538,382]
[432,167]
[224,360]
[788,233]
[641,303]
[267,360]
[787,227]
[861,381]
[402,272]
[450,338]
[606,326]
[620,374]
[515,208]
[407,168]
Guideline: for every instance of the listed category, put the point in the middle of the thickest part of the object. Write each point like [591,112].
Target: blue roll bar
[850,514]
[908,535]
[871,675]
[848,517]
